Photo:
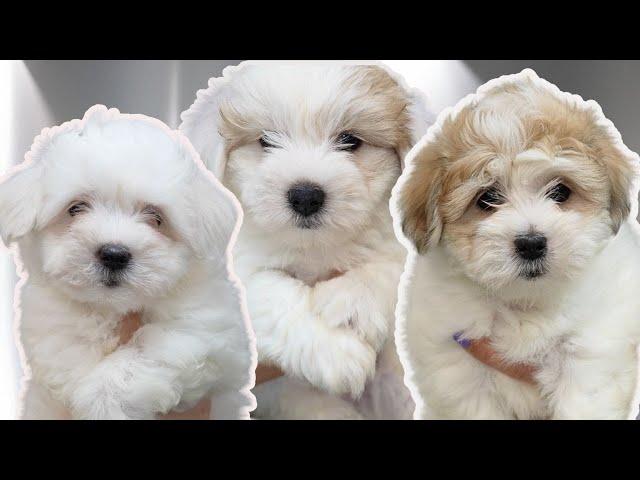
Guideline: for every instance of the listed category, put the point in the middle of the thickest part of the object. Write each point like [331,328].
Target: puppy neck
[521,297]
[531,298]
[314,261]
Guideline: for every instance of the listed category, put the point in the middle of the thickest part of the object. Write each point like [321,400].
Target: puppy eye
[560,193]
[77,207]
[266,143]
[348,142]
[154,215]
[489,199]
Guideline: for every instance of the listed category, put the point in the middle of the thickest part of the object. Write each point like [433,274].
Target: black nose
[114,256]
[306,198]
[531,246]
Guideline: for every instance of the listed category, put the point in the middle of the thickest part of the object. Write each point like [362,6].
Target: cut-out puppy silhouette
[519,210]
[115,214]
[312,152]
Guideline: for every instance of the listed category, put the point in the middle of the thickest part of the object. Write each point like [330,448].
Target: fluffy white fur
[321,299]
[143,186]
[577,323]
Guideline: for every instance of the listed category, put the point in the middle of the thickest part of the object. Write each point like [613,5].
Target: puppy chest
[528,336]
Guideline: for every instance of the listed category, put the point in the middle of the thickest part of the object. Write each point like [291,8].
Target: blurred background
[39,94]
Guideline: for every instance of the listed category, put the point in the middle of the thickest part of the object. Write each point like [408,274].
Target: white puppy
[113,214]
[312,152]
[521,205]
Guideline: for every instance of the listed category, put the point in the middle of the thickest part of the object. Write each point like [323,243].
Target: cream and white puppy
[520,203]
[115,213]
[312,152]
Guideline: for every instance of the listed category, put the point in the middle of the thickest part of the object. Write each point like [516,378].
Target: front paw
[125,390]
[334,303]
[339,303]
[96,400]
[343,365]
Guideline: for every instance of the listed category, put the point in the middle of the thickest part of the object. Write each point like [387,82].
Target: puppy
[518,204]
[312,152]
[115,214]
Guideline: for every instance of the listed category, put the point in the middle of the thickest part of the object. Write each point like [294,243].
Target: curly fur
[321,295]
[194,341]
[573,314]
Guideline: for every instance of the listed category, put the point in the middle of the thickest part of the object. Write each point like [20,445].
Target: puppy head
[113,209]
[310,151]
[522,187]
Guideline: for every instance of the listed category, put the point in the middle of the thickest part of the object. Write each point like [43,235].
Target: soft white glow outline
[215,84]
[412,255]
[179,137]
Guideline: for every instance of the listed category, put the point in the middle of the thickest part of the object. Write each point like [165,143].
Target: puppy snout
[306,198]
[531,246]
[114,256]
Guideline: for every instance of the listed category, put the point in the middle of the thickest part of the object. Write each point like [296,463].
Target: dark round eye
[348,141]
[560,193]
[154,215]
[77,207]
[489,199]
[266,143]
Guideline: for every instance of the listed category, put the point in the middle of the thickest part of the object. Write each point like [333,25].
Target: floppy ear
[622,175]
[215,215]
[200,123]
[621,165]
[20,198]
[420,198]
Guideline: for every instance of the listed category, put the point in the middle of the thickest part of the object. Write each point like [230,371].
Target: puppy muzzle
[531,249]
[114,260]
[306,200]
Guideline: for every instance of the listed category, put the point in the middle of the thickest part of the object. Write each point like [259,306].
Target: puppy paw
[334,304]
[94,401]
[342,367]
[126,386]
[341,304]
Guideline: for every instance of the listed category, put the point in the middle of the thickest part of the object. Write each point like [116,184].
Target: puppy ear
[420,198]
[19,203]
[201,123]
[622,175]
[215,214]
